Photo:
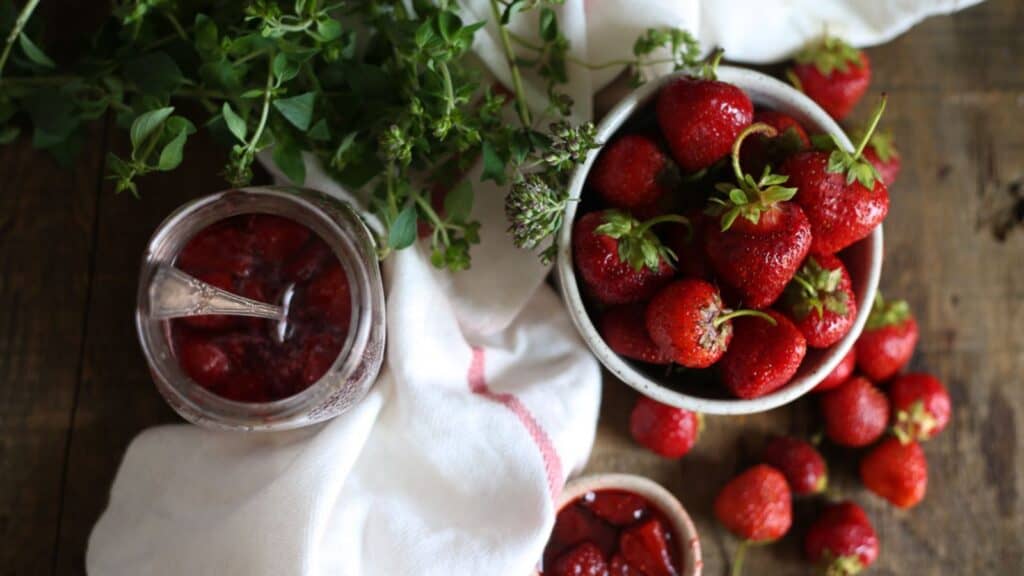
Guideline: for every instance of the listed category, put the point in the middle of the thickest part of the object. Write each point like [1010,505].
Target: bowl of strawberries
[722,249]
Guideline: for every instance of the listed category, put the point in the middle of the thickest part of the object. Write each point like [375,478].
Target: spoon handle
[175,294]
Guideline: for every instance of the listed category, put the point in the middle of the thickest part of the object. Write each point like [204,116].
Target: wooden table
[74,388]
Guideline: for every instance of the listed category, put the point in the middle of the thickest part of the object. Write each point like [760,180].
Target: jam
[611,532]
[263,257]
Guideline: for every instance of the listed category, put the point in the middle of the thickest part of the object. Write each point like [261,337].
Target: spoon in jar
[175,294]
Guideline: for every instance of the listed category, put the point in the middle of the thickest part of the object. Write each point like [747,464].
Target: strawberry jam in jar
[298,249]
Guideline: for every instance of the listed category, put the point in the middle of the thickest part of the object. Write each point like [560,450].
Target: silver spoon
[175,294]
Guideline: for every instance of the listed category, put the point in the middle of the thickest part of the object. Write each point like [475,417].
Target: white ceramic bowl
[680,522]
[863,259]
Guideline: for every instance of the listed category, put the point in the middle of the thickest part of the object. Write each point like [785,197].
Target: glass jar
[354,370]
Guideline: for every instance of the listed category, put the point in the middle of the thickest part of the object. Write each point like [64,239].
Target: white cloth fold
[488,399]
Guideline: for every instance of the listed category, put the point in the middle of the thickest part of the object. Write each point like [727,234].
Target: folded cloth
[488,400]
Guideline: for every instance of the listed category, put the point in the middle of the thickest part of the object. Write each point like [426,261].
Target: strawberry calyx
[747,197]
[885,313]
[832,565]
[709,67]
[913,424]
[855,166]
[881,142]
[727,315]
[829,54]
[639,246]
[815,288]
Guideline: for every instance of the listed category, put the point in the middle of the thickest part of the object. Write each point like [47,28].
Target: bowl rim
[666,502]
[796,103]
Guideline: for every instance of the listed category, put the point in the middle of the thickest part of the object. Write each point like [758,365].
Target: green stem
[176,25]
[807,286]
[510,58]
[19,25]
[432,216]
[524,42]
[250,148]
[737,313]
[662,219]
[449,91]
[737,559]
[761,128]
[875,117]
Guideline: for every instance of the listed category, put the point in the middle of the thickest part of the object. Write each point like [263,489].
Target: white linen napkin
[488,399]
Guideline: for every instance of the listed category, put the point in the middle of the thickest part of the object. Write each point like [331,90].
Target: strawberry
[622,328]
[841,193]
[688,321]
[763,356]
[756,505]
[204,361]
[665,430]
[762,150]
[841,541]
[882,154]
[329,294]
[700,118]
[840,373]
[920,406]
[583,560]
[619,567]
[799,462]
[619,258]
[760,239]
[576,524]
[896,471]
[644,548]
[833,74]
[856,413]
[888,340]
[632,172]
[276,238]
[221,248]
[617,507]
[820,301]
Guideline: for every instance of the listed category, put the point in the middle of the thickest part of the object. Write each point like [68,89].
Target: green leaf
[298,109]
[206,35]
[494,164]
[737,197]
[320,131]
[548,25]
[34,53]
[8,134]
[285,68]
[53,117]
[288,158]
[403,230]
[447,24]
[171,155]
[328,29]
[252,94]
[155,73]
[458,203]
[235,122]
[147,123]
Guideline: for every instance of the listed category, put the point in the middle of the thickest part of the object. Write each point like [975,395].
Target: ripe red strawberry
[833,74]
[619,258]
[328,294]
[856,413]
[276,238]
[761,239]
[841,542]
[619,567]
[623,330]
[762,150]
[576,524]
[689,323]
[882,154]
[583,560]
[756,505]
[665,430]
[895,471]
[888,340]
[644,547]
[840,373]
[820,301]
[920,406]
[841,193]
[204,361]
[700,118]
[763,356]
[617,507]
[632,172]
[799,462]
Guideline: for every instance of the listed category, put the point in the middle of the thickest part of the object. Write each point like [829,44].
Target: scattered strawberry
[920,406]
[762,150]
[888,340]
[576,524]
[882,154]
[833,74]
[856,413]
[840,373]
[276,238]
[583,560]
[701,118]
[665,430]
[619,567]
[688,321]
[622,328]
[799,462]
[841,542]
[820,301]
[841,193]
[632,172]
[756,505]
[205,362]
[761,238]
[643,547]
[896,471]
[619,258]
[763,355]
[617,507]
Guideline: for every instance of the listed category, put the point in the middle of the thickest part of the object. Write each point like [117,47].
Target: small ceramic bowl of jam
[298,249]
[621,525]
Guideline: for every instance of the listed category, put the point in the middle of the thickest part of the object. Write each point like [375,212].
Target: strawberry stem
[761,128]
[807,286]
[875,117]
[737,558]
[710,67]
[737,313]
[661,220]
